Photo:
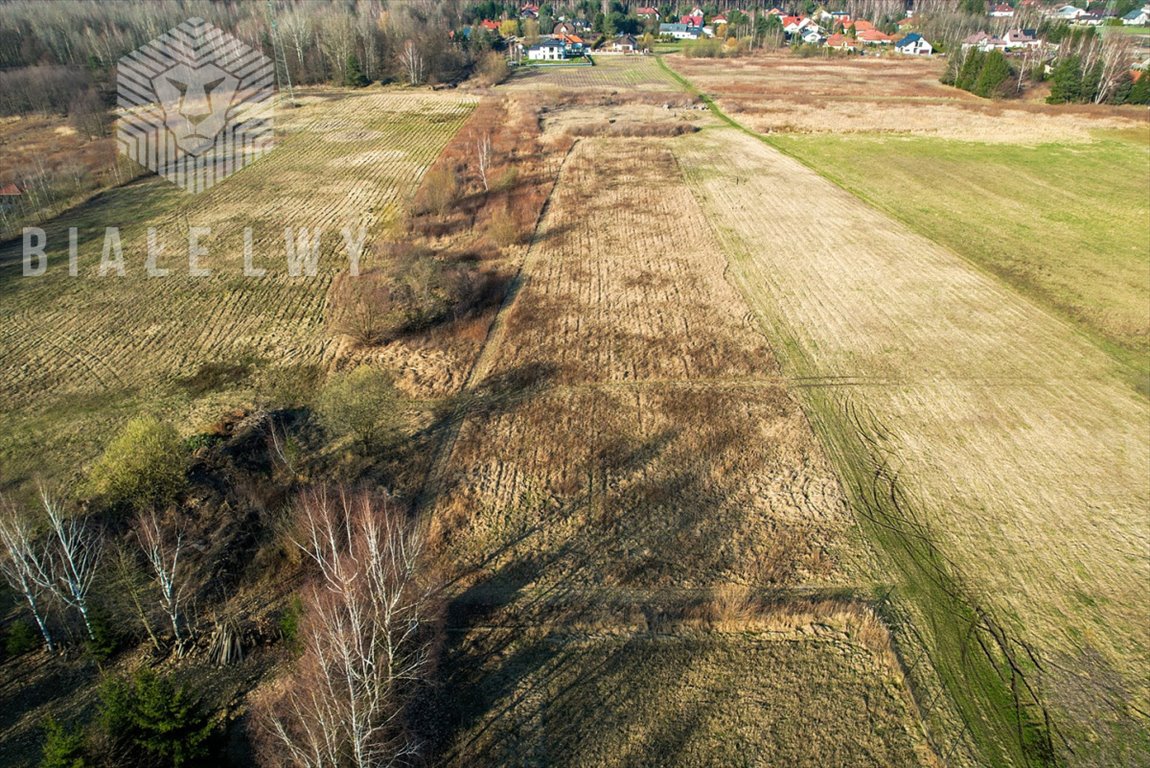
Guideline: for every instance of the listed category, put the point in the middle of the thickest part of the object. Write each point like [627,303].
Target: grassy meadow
[1064,223]
[82,354]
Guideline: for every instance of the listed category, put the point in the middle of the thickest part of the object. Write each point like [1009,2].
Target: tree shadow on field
[131,206]
[641,513]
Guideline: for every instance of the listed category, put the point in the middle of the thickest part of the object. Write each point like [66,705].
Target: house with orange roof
[840,42]
[10,196]
[873,37]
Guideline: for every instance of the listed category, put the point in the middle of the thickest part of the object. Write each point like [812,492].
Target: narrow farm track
[1024,454]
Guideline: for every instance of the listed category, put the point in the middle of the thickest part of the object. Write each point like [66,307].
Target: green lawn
[1067,224]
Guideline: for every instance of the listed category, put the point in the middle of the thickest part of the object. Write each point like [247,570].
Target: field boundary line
[491,344]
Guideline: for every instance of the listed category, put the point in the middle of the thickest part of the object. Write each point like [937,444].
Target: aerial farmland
[575,386]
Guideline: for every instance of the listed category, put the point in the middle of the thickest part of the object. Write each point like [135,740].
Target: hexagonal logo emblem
[195,105]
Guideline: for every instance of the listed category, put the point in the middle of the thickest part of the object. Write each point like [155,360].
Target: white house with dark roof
[681,31]
[1137,18]
[551,49]
[914,44]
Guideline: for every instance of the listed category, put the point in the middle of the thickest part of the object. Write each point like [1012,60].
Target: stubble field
[1013,442]
[81,354]
[632,475]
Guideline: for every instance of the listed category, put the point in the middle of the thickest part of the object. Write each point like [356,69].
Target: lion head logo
[195,105]
[196,101]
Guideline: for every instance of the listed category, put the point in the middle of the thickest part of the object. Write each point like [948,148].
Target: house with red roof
[840,42]
[795,24]
[1001,11]
[649,14]
[874,37]
[10,196]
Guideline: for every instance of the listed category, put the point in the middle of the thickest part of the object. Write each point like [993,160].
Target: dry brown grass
[780,94]
[629,464]
[1021,449]
[676,697]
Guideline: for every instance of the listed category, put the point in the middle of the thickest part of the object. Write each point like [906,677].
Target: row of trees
[313,41]
[1092,69]
[51,558]
[1086,69]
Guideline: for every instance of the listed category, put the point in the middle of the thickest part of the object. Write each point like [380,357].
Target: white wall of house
[918,48]
[547,53]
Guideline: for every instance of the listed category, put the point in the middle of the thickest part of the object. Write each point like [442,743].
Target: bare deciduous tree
[132,584]
[483,159]
[25,564]
[76,551]
[1116,55]
[162,547]
[363,634]
[412,61]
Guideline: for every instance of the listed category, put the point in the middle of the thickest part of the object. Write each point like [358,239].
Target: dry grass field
[1054,200]
[634,73]
[1012,442]
[899,96]
[80,354]
[630,460]
[730,468]
[762,695]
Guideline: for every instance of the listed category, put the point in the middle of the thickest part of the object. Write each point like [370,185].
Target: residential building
[914,45]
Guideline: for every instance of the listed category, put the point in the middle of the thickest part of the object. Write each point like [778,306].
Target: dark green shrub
[154,720]
[289,622]
[63,747]
[21,638]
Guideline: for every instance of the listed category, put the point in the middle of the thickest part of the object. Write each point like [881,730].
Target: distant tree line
[1086,68]
[50,52]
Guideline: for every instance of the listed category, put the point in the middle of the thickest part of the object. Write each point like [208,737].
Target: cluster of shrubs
[145,719]
[419,289]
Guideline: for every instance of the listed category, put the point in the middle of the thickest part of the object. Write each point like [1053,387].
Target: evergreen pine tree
[353,75]
[1140,90]
[1121,92]
[995,70]
[971,68]
[1091,82]
[1065,82]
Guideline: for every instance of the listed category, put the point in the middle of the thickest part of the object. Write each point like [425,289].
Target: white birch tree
[24,565]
